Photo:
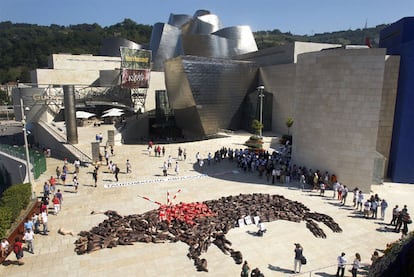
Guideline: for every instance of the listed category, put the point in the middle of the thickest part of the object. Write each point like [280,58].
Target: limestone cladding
[58,77]
[337,110]
[280,80]
[83,62]
[157,82]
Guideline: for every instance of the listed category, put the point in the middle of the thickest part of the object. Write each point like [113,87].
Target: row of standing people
[31,228]
[275,166]
[400,220]
[32,225]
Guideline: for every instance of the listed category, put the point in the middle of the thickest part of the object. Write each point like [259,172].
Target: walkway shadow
[10,262]
[361,216]
[91,186]
[253,233]
[337,204]
[324,274]
[282,270]
[349,208]
[316,195]
[385,229]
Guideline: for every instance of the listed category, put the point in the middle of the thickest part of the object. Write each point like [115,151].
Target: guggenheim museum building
[352,105]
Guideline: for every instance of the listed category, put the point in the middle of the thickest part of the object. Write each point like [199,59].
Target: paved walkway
[273,253]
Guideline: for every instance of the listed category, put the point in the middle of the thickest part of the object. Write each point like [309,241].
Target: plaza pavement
[272,253]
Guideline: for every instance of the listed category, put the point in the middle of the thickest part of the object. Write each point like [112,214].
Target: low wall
[18,228]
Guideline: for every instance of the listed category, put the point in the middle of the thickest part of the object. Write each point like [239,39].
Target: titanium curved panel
[110,46]
[241,37]
[201,13]
[202,25]
[178,20]
[156,35]
[163,43]
[205,45]
[211,90]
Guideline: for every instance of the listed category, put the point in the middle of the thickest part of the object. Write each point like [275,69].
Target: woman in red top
[52,182]
[56,204]
[18,250]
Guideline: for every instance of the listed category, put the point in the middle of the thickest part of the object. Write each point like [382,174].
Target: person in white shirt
[367,208]
[28,238]
[341,265]
[44,222]
[77,165]
[262,228]
[128,167]
[177,168]
[4,247]
[360,200]
[395,213]
[356,264]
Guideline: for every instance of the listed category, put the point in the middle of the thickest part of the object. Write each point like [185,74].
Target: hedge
[13,201]
[6,219]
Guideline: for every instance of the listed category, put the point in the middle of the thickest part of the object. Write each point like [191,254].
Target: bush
[6,219]
[254,143]
[13,201]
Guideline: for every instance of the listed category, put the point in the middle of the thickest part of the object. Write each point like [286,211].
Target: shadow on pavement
[276,268]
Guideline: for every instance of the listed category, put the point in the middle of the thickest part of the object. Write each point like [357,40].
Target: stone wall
[337,110]
[280,80]
[83,62]
[58,77]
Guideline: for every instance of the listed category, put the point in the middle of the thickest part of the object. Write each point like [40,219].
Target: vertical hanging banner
[136,64]
[135,78]
[135,58]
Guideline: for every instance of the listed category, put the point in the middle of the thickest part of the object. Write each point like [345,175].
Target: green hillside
[24,47]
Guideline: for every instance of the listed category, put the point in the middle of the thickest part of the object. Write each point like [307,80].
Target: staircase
[59,138]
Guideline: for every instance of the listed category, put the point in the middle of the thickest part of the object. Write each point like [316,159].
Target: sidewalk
[272,254]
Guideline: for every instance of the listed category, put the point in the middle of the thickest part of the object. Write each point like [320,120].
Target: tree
[256,126]
[4,98]
[289,123]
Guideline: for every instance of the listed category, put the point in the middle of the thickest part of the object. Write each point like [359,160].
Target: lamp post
[260,89]
[26,146]
[20,173]
[7,110]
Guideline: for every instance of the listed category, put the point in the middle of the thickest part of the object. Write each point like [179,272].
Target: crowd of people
[278,170]
[274,166]
[37,224]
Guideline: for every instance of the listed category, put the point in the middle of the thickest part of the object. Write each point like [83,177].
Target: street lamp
[26,146]
[7,110]
[20,173]
[260,89]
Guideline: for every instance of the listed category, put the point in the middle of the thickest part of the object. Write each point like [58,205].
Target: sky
[301,17]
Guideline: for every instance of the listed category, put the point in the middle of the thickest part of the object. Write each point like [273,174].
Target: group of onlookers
[33,224]
[400,218]
[31,228]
